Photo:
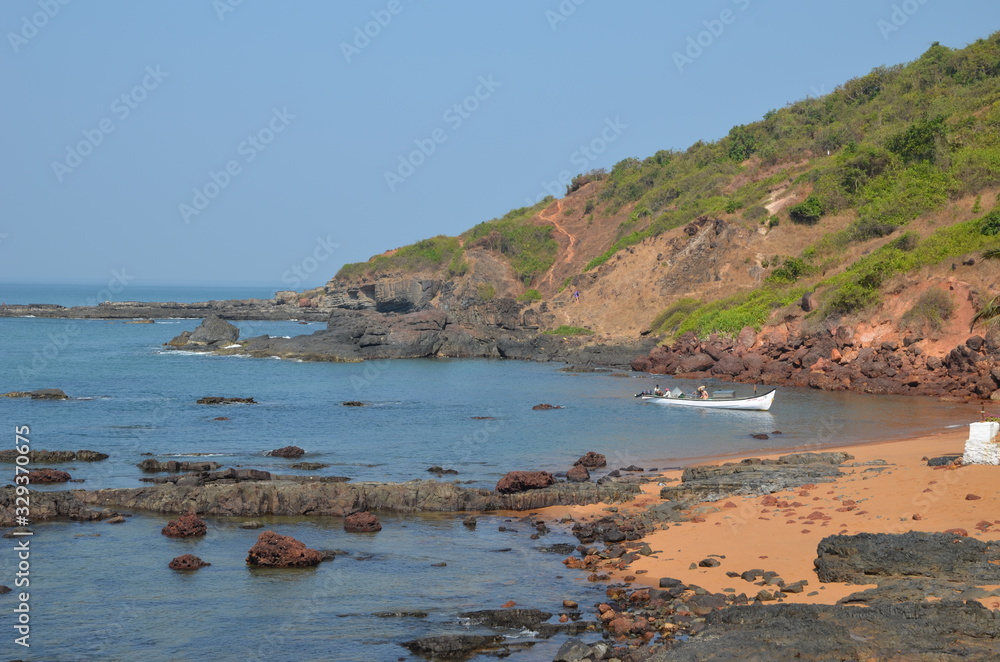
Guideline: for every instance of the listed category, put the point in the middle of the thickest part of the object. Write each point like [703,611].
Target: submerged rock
[362,522]
[187,562]
[274,550]
[217,400]
[545,406]
[513,619]
[40,394]
[453,646]
[52,457]
[286,451]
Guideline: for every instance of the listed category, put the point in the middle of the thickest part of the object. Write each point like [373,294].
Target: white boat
[717,400]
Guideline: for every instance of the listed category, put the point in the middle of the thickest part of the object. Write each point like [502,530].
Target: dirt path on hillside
[570,253]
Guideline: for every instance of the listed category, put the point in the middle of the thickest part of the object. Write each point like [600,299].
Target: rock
[273,550]
[308,466]
[512,619]
[747,337]
[221,418]
[574,650]
[545,406]
[709,563]
[185,526]
[117,519]
[4,589]
[40,394]
[440,471]
[865,557]
[570,604]
[150,465]
[353,403]
[452,646]
[470,521]
[592,460]
[943,460]
[695,363]
[47,476]
[760,435]
[809,302]
[216,400]
[972,497]
[214,331]
[52,457]
[520,481]
[252,524]
[578,474]
[187,562]
[362,522]
[286,451]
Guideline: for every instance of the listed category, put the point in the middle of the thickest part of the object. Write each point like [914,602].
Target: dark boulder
[520,481]
[187,562]
[185,526]
[544,406]
[578,474]
[150,465]
[216,400]
[513,619]
[214,331]
[274,550]
[453,646]
[46,476]
[286,451]
[592,460]
[362,522]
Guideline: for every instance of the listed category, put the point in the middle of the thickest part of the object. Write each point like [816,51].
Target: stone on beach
[520,481]
[274,550]
[592,460]
[578,474]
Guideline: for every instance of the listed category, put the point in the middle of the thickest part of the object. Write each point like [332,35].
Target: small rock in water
[353,403]
[118,519]
[252,524]
[286,451]
[470,521]
[760,435]
[185,526]
[362,522]
[187,562]
[545,406]
[508,604]
[277,551]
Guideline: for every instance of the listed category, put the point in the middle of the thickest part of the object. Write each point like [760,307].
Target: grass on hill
[529,247]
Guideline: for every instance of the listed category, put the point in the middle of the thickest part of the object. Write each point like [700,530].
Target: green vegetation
[570,331]
[529,247]
[670,319]
[425,254]
[730,315]
[808,211]
[988,316]
[932,309]
[486,291]
[530,295]
[790,271]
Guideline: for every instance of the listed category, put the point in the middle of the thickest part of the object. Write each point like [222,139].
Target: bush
[789,272]
[529,247]
[486,291]
[932,308]
[919,141]
[907,242]
[670,319]
[866,228]
[530,295]
[808,211]
[583,179]
[425,254]
[755,213]
[990,224]
[565,330]
[851,297]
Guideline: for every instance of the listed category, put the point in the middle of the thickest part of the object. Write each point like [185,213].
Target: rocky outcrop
[234,309]
[834,360]
[817,633]
[41,394]
[384,294]
[187,562]
[287,452]
[454,646]
[362,522]
[225,477]
[256,499]
[214,331]
[578,474]
[46,476]
[754,476]
[521,481]
[151,465]
[866,558]
[217,400]
[511,619]
[187,525]
[274,550]
[53,457]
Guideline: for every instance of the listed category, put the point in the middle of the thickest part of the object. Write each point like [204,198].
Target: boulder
[214,331]
[453,646]
[545,406]
[150,465]
[520,481]
[696,363]
[592,460]
[45,476]
[274,550]
[40,394]
[578,474]
[286,451]
[216,400]
[362,522]
[185,526]
[187,562]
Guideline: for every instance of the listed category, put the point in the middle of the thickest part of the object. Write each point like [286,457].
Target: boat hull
[760,402]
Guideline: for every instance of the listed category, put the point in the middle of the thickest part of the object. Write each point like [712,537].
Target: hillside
[867,198]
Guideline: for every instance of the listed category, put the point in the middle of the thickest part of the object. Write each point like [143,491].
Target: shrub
[851,297]
[530,295]
[919,141]
[589,206]
[789,272]
[583,179]
[529,247]
[565,330]
[425,254]
[486,291]
[907,242]
[990,224]
[808,211]
[673,316]
[932,308]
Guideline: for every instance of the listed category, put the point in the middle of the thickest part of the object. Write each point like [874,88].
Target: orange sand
[753,536]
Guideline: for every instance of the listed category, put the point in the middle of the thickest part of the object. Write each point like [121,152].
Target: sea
[104,592]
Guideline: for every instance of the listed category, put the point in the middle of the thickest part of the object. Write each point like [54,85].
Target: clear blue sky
[115,112]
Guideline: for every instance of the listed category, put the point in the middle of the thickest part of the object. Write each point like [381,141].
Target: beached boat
[717,400]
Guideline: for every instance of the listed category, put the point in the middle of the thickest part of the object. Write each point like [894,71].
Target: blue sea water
[104,592]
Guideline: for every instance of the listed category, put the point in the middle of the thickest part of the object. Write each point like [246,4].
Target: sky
[238,141]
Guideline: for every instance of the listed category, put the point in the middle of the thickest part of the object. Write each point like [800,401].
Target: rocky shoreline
[838,360]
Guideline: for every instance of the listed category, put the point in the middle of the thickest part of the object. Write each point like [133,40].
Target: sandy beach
[780,532]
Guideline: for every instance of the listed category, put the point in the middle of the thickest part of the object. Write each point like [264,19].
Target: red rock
[578,474]
[848,502]
[221,418]
[769,500]
[187,562]
[508,604]
[520,481]
[592,460]
[287,451]
[982,525]
[185,526]
[729,504]
[972,497]
[274,550]
[43,476]
[362,522]
[805,531]
[917,516]
[563,618]
[958,532]
[697,519]
[545,406]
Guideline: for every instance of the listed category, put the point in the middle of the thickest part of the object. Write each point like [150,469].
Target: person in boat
[657,391]
[702,393]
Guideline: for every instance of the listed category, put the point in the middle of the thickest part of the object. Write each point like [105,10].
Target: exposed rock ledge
[336,499]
